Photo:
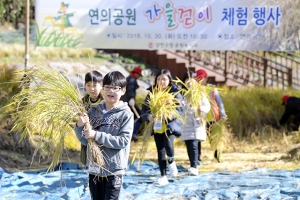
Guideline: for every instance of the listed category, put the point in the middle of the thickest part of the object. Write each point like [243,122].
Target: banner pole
[27,33]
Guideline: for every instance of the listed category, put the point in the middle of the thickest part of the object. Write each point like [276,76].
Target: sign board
[169,24]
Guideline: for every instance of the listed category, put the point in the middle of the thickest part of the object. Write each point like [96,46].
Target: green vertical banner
[176,24]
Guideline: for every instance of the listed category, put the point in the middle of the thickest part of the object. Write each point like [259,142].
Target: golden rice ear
[219,138]
[194,93]
[48,106]
[162,103]
[147,132]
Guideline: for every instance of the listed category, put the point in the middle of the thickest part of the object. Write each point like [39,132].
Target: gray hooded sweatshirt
[113,135]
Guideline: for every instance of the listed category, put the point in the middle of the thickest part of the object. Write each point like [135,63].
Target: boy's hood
[101,106]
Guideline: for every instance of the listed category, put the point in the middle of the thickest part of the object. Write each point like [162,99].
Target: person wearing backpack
[217,109]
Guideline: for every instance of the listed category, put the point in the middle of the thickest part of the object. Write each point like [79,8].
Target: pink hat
[200,74]
[285,98]
[137,70]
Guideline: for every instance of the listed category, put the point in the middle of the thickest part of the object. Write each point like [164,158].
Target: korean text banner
[169,24]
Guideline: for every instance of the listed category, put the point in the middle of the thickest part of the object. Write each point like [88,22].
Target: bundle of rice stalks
[146,136]
[162,105]
[194,91]
[48,105]
[8,88]
[218,136]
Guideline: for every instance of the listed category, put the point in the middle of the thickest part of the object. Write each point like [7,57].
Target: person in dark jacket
[164,138]
[129,97]
[292,108]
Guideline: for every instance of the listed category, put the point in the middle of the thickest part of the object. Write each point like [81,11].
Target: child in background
[112,127]
[130,96]
[193,129]
[93,85]
[217,109]
[164,139]
[93,81]
[292,108]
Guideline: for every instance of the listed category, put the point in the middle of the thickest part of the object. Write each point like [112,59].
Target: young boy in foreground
[112,127]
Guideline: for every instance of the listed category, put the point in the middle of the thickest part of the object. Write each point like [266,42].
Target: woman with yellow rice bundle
[163,108]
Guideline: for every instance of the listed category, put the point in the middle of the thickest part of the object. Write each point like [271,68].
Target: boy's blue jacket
[174,126]
[114,131]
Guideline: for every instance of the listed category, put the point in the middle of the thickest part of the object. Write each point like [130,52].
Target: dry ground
[238,157]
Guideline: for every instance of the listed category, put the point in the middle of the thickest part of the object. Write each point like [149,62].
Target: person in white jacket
[194,128]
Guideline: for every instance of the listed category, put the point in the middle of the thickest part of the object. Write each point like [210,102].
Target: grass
[250,109]
[14,53]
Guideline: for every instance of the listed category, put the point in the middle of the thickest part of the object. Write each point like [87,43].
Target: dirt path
[243,157]
[232,160]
